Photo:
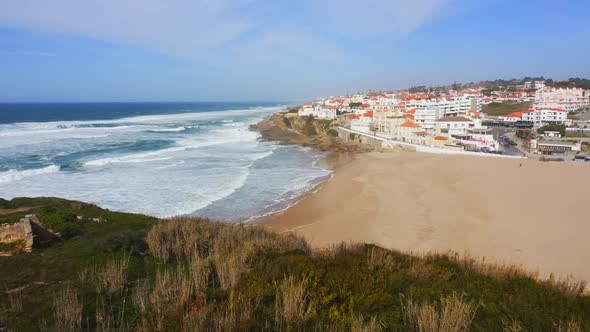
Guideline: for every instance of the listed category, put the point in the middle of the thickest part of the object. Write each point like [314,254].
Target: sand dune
[508,210]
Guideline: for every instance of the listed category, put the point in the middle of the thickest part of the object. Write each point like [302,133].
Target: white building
[566,99]
[306,109]
[362,124]
[427,117]
[450,105]
[319,111]
[453,125]
[545,116]
[326,112]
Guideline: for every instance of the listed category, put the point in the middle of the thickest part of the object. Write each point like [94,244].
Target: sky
[278,50]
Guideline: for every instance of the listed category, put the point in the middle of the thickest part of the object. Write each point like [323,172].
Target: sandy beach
[506,210]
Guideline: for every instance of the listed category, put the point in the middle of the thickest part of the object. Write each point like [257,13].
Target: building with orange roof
[545,116]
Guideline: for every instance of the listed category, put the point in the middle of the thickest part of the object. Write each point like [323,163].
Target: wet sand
[506,210]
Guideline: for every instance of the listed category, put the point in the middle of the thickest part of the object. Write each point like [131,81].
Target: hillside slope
[134,272]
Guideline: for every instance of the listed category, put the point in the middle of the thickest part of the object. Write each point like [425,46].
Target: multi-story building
[565,99]
[427,117]
[545,116]
[448,106]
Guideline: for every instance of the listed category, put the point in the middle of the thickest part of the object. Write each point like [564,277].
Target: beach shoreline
[514,211]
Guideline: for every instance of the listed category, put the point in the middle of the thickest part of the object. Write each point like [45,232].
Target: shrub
[332,132]
[552,127]
[131,241]
[309,129]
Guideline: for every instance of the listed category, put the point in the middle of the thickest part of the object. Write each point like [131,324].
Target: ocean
[160,159]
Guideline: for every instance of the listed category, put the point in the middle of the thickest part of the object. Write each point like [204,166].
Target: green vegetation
[132,272]
[332,132]
[418,89]
[574,82]
[352,105]
[500,109]
[524,134]
[12,246]
[552,127]
[309,127]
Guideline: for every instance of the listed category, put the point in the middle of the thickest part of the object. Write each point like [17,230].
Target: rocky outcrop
[288,128]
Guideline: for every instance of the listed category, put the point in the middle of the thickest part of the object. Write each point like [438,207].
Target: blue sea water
[162,159]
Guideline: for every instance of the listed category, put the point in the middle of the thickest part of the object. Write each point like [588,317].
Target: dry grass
[570,326]
[86,275]
[500,271]
[229,268]
[360,324]
[420,269]
[239,311]
[569,285]
[229,246]
[199,272]
[292,302]
[512,326]
[67,310]
[455,314]
[187,236]
[110,318]
[379,258]
[175,293]
[114,276]
[140,296]
[332,251]
[15,301]
[173,288]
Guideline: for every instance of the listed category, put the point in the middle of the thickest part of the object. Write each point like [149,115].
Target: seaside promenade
[423,148]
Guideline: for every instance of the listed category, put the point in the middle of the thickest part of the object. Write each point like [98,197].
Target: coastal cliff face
[288,128]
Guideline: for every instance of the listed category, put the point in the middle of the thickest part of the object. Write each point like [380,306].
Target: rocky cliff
[288,128]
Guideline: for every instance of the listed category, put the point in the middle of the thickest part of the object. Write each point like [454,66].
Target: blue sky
[283,50]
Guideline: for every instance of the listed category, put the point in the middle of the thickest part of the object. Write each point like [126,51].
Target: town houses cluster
[452,120]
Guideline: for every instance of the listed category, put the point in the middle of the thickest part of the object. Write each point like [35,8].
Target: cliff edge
[289,128]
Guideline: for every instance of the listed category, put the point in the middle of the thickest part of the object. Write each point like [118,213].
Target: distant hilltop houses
[451,119]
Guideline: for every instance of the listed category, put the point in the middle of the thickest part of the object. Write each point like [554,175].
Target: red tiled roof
[410,124]
[441,138]
[515,115]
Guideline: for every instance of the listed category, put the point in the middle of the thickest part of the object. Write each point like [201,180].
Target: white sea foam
[14,175]
[116,165]
[166,130]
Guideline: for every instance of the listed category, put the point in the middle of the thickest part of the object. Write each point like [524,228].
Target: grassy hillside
[500,109]
[133,272]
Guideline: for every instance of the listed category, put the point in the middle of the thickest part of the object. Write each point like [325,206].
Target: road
[508,149]
[585,116]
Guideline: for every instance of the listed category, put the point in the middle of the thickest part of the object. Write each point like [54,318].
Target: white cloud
[177,27]
[369,18]
[196,28]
